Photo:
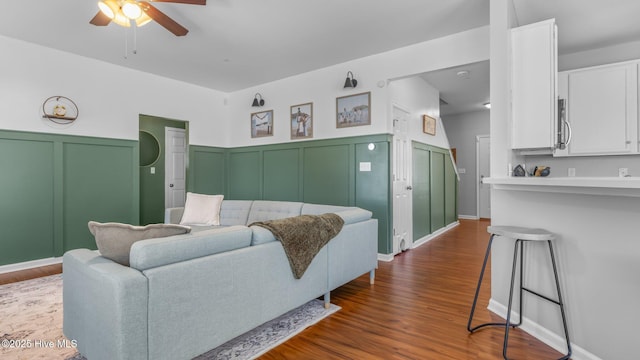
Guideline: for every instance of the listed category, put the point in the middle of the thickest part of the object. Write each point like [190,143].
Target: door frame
[477,175]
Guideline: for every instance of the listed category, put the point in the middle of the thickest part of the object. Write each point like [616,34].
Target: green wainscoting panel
[326,175]
[27,200]
[244,180]
[450,192]
[437,190]
[281,168]
[313,171]
[99,184]
[373,188]
[58,183]
[421,193]
[207,170]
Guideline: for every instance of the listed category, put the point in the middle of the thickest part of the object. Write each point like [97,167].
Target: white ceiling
[582,25]
[235,44]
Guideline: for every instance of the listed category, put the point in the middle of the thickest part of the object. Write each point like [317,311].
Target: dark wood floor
[417,309]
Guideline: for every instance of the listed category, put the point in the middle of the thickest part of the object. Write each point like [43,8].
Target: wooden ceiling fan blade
[100,19]
[162,19]
[190,2]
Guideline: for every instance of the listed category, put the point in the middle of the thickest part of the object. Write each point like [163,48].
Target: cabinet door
[533,86]
[602,108]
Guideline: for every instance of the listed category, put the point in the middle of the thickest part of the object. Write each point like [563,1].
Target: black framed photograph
[302,121]
[353,110]
[262,124]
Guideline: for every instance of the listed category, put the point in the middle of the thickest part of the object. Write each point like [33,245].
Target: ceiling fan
[123,12]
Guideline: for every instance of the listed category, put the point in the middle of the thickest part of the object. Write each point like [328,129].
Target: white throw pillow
[203,210]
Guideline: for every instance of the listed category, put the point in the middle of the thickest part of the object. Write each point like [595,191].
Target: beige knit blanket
[303,236]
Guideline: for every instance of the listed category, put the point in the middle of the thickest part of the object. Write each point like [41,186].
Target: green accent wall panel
[326,175]
[207,170]
[27,200]
[58,183]
[244,180]
[373,188]
[281,174]
[437,191]
[421,198]
[100,184]
[450,192]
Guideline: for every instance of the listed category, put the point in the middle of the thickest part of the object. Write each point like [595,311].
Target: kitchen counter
[611,186]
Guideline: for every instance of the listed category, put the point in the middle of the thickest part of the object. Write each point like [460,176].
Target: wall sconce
[350,82]
[257,102]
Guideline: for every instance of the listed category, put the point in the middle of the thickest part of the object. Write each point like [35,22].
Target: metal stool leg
[560,303]
[508,324]
[475,298]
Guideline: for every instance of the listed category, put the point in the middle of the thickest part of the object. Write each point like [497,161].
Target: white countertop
[612,186]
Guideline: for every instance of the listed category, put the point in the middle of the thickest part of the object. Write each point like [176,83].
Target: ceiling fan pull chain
[135,38]
[126,46]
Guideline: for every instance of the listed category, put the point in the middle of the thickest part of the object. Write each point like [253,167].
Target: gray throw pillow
[114,240]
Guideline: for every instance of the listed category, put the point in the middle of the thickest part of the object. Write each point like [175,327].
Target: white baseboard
[29,264]
[385,257]
[425,239]
[543,334]
[468,217]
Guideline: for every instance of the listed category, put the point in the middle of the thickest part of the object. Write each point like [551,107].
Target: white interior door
[483,190]
[402,214]
[175,167]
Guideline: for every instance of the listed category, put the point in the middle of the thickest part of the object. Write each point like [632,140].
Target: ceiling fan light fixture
[121,19]
[144,19]
[109,8]
[131,10]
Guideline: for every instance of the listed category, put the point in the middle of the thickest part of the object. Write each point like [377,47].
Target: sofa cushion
[263,210]
[235,212]
[114,240]
[152,253]
[200,209]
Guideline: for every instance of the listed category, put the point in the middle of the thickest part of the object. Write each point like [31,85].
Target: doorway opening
[153,166]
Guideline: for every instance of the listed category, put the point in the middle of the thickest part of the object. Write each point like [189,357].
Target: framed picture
[428,125]
[302,121]
[262,124]
[353,110]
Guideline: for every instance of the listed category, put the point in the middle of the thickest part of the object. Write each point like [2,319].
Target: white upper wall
[109,97]
[417,97]
[373,73]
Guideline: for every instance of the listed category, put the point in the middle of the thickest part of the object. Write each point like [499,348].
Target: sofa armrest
[104,306]
[352,216]
[173,215]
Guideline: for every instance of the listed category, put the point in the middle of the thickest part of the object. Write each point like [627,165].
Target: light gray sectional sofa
[186,294]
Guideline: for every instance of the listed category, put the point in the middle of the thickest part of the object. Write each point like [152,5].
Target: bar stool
[521,235]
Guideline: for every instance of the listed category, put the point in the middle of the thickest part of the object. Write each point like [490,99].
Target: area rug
[31,325]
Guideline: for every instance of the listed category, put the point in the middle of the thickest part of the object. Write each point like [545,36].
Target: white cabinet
[533,86]
[602,109]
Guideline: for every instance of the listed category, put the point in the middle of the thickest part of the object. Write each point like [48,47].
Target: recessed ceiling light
[463,74]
